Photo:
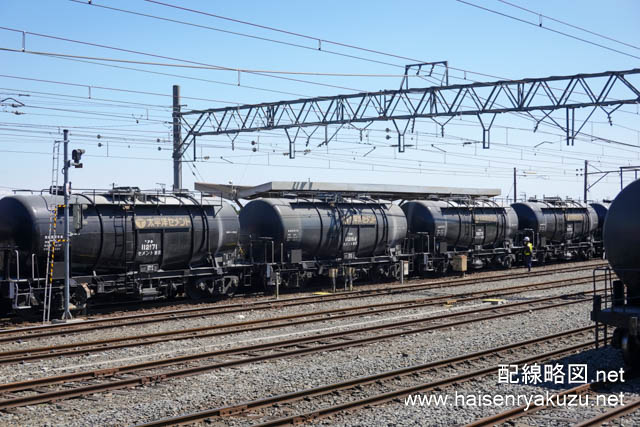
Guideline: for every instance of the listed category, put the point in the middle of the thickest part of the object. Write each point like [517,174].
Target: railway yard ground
[368,357]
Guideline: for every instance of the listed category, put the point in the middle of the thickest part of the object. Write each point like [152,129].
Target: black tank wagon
[326,229]
[601,208]
[331,232]
[146,245]
[155,245]
[560,229]
[478,228]
[620,305]
[300,230]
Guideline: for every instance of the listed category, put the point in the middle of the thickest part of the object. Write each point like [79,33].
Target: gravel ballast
[233,385]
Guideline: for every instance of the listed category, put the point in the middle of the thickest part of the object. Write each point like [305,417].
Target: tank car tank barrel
[621,235]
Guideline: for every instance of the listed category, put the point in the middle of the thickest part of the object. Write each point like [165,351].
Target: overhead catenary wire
[170,58]
[351,46]
[92,100]
[374,165]
[569,24]
[80,139]
[272,29]
[154,55]
[252,36]
[466,138]
[165,141]
[524,21]
[185,77]
[205,67]
[309,37]
[113,89]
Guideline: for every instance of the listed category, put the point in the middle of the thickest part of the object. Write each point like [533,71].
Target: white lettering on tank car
[150,222]
[351,239]
[362,219]
[148,247]
[293,234]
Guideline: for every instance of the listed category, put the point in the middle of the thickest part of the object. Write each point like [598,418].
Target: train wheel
[79,298]
[542,258]
[630,351]
[442,268]
[375,274]
[197,289]
[172,291]
[507,261]
[5,306]
[583,255]
[226,286]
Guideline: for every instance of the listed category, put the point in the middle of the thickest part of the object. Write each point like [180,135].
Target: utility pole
[67,190]
[515,186]
[586,183]
[76,155]
[177,140]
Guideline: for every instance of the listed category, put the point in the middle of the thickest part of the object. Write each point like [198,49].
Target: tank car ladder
[51,236]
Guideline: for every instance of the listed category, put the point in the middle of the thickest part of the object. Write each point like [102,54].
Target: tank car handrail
[17,264]
[93,202]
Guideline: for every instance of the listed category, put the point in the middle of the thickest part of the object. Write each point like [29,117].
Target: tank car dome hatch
[622,238]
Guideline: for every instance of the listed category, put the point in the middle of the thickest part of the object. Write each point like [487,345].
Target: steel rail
[523,410]
[268,323]
[296,342]
[363,380]
[598,420]
[386,397]
[145,318]
[612,414]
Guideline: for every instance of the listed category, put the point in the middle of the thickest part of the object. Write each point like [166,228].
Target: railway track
[10,334]
[612,414]
[479,275]
[490,359]
[592,389]
[87,347]
[41,390]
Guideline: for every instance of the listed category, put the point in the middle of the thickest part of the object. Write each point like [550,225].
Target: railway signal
[76,155]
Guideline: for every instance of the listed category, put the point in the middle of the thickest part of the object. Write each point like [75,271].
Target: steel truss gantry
[301,118]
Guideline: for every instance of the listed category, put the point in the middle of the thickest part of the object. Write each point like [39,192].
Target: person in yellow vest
[528,253]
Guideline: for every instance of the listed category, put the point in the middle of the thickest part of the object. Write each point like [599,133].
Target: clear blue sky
[135,126]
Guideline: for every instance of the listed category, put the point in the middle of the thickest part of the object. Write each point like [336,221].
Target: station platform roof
[309,188]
